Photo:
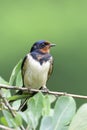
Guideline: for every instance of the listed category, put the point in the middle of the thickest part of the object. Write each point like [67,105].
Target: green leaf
[17,97]
[48,110]
[5,92]
[29,115]
[48,99]
[8,118]
[38,105]
[19,79]
[46,123]
[52,98]
[15,72]
[79,121]
[16,105]
[63,112]
[35,107]
[16,100]
[3,121]
[2,81]
[18,119]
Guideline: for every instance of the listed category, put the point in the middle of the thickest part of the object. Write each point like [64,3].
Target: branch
[48,92]
[5,128]
[6,103]
[9,108]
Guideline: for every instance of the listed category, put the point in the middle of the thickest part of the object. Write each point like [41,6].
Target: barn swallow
[37,66]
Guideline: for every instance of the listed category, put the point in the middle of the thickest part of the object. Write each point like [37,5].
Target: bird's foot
[44,89]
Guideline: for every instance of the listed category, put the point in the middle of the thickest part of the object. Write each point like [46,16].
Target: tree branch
[5,128]
[48,92]
[9,108]
[6,103]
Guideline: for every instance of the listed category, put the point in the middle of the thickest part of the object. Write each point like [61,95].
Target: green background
[63,22]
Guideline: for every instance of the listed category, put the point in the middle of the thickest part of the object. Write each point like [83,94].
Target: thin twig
[5,128]
[49,92]
[10,109]
[6,103]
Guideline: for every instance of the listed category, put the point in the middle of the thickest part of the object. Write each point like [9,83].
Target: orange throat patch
[45,49]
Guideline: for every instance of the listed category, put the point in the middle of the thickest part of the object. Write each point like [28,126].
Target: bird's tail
[23,106]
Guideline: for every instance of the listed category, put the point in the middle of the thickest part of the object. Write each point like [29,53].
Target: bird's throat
[45,49]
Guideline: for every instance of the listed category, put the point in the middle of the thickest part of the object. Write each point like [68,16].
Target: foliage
[45,112]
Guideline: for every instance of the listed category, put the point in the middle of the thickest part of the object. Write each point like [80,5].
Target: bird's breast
[36,74]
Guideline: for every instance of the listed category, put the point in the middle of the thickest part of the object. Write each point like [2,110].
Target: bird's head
[42,45]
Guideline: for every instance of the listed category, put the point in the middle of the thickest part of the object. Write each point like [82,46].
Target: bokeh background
[63,22]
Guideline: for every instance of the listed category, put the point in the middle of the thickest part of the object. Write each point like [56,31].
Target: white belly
[36,74]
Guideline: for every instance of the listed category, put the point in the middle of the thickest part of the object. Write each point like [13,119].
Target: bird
[37,66]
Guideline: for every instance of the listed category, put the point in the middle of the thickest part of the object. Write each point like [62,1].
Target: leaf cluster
[45,112]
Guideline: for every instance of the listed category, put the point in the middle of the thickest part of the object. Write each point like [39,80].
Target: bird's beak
[52,45]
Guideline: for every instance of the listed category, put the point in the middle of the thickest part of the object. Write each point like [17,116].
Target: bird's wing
[51,67]
[23,68]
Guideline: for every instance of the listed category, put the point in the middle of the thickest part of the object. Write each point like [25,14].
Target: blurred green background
[63,22]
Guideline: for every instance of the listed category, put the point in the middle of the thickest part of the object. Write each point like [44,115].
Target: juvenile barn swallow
[37,66]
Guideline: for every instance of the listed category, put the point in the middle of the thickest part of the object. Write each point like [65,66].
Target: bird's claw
[44,89]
